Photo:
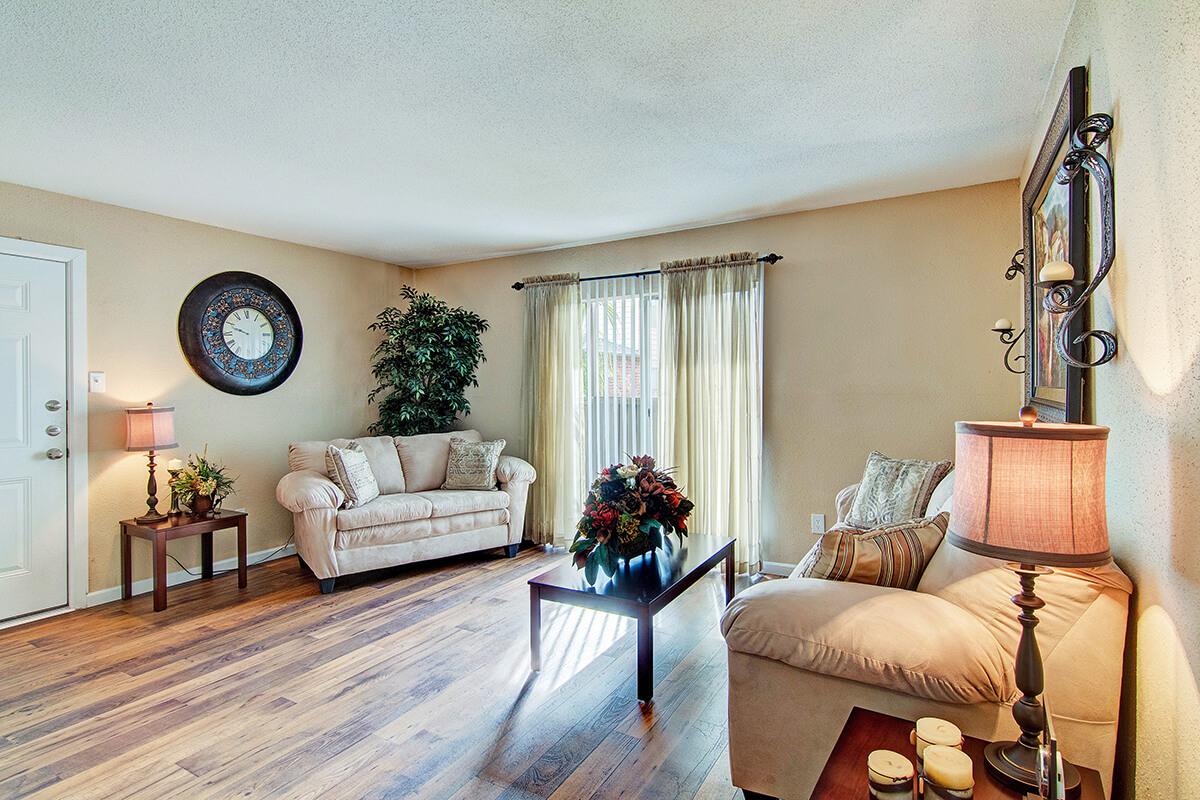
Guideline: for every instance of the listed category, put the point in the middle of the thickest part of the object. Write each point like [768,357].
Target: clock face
[240,333]
[248,333]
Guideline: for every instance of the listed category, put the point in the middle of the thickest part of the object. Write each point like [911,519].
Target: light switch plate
[818,523]
[97,383]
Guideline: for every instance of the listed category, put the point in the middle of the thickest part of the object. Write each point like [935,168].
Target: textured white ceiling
[423,133]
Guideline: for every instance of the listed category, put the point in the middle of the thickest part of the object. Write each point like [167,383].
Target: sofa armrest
[845,501]
[511,469]
[308,490]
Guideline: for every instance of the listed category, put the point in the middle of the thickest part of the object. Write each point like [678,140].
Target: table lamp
[1031,493]
[150,428]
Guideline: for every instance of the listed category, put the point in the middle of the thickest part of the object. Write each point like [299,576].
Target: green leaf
[589,569]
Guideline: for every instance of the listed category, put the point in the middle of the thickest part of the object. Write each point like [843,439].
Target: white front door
[33,435]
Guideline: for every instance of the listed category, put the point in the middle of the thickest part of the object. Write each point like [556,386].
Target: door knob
[53,405]
[54,454]
[53,430]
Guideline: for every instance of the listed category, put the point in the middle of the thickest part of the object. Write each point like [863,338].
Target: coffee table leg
[645,655]
[241,552]
[206,555]
[729,570]
[535,629]
[160,572]
[126,566]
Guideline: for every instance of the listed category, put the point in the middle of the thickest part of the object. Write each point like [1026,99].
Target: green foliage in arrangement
[424,364]
[202,476]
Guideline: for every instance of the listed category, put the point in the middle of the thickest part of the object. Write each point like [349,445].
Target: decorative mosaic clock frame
[201,321]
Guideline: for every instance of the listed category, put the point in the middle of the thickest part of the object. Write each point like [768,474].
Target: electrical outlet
[97,383]
[818,523]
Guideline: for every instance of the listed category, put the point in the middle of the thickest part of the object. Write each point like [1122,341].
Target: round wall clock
[240,333]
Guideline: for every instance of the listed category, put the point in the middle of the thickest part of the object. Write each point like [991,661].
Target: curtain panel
[552,405]
[710,390]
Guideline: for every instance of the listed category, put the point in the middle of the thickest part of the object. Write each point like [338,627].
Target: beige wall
[877,333]
[1143,59]
[140,267]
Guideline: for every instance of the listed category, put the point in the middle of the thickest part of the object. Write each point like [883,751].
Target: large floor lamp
[1031,493]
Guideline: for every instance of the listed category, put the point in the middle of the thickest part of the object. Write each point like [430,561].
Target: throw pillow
[349,469]
[894,490]
[472,465]
[895,555]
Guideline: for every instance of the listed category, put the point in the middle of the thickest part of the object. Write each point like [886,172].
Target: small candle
[930,731]
[1003,324]
[174,464]
[1055,272]
[890,776]
[948,767]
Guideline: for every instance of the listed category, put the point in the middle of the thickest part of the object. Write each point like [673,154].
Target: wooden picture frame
[1054,226]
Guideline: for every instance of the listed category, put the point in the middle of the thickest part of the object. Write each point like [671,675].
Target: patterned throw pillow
[349,469]
[892,556]
[894,490]
[472,465]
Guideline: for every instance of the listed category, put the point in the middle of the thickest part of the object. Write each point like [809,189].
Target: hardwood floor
[413,683]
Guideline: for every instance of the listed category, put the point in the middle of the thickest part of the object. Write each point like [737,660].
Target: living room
[592,400]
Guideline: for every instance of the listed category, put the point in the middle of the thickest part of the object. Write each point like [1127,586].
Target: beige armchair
[803,652]
[413,519]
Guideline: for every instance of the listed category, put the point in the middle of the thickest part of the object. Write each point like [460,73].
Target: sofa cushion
[377,535]
[384,461]
[424,457]
[901,640]
[894,490]
[349,468]
[471,521]
[386,509]
[307,455]
[447,502]
[894,555]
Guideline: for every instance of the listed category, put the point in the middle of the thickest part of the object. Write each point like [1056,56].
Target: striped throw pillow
[895,555]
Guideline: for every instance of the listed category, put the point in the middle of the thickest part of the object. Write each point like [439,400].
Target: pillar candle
[1055,271]
[890,776]
[1003,324]
[948,767]
[174,464]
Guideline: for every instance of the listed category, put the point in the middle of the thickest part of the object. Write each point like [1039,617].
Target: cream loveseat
[413,519]
[803,652]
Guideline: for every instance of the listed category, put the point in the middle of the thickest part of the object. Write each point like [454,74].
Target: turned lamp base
[1015,765]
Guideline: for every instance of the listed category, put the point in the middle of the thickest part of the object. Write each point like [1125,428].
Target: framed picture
[1054,220]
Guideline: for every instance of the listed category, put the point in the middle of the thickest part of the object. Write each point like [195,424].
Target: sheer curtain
[552,405]
[710,390]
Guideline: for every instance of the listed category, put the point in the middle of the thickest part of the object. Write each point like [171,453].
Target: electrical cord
[267,557]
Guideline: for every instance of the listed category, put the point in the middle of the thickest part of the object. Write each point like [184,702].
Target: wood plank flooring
[409,683]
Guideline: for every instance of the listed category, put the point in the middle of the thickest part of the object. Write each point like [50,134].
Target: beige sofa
[803,652]
[413,519]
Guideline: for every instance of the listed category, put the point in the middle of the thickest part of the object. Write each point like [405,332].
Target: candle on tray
[889,776]
[174,465]
[948,773]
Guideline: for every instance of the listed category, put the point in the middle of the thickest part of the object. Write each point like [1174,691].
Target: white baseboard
[777,568]
[178,576]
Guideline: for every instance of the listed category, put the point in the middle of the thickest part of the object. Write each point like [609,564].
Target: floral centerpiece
[202,484]
[627,509]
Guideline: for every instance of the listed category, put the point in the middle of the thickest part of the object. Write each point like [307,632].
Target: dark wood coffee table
[641,590]
[845,773]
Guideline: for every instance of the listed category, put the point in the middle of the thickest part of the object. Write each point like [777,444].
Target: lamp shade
[150,427]
[1031,493]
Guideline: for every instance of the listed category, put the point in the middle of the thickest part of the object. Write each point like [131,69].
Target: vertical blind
[620,368]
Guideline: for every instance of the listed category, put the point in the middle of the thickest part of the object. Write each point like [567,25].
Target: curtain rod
[770,258]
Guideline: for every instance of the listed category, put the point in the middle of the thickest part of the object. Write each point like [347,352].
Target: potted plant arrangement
[202,484]
[627,510]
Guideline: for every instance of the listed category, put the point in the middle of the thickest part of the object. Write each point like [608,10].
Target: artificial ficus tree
[424,364]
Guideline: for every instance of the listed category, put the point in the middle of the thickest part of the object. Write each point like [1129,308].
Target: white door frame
[77,406]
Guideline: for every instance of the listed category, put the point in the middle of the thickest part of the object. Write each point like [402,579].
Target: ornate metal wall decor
[1016,267]
[1062,297]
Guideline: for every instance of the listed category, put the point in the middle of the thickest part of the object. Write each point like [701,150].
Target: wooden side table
[845,774]
[159,533]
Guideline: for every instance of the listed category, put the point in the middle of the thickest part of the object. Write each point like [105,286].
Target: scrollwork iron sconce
[1004,327]
[1062,296]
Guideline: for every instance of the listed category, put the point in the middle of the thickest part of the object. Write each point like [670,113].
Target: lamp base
[1015,765]
[150,519]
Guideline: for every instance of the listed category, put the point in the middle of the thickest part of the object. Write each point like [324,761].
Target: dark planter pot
[202,505]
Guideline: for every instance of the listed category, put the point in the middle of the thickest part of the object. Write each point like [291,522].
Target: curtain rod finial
[518,286]
[771,258]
